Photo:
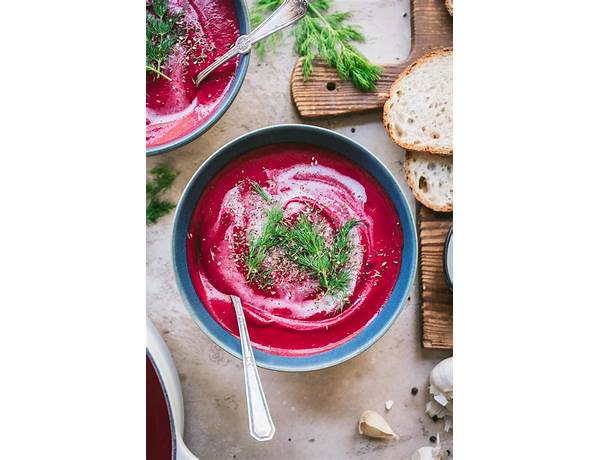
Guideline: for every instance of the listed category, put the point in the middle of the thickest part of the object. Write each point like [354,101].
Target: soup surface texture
[159,439]
[175,108]
[291,313]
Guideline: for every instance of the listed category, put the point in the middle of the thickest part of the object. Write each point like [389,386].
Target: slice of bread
[418,113]
[450,6]
[430,178]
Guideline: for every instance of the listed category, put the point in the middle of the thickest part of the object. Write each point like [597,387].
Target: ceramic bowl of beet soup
[310,230]
[176,111]
[164,402]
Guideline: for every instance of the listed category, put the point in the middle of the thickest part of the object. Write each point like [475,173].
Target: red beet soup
[159,438]
[174,106]
[308,240]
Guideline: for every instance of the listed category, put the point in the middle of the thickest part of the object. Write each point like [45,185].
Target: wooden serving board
[436,297]
[325,94]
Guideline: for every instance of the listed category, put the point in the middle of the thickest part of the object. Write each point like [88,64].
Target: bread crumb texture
[418,114]
[430,178]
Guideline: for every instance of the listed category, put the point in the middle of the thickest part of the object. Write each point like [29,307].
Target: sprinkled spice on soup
[307,239]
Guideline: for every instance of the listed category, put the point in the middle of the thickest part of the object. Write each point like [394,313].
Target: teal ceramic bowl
[353,151]
[244,60]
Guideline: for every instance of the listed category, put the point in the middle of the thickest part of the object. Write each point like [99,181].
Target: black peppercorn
[433,438]
[414,391]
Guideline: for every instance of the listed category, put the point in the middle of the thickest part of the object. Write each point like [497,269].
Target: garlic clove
[441,378]
[441,389]
[388,404]
[373,425]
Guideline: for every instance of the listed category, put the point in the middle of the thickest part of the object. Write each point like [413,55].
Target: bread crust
[417,193]
[387,122]
[450,7]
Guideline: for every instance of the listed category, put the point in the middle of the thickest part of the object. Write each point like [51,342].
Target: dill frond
[324,35]
[162,33]
[162,179]
[258,248]
[261,191]
[304,245]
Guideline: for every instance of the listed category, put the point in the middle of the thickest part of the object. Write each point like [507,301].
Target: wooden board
[436,297]
[325,94]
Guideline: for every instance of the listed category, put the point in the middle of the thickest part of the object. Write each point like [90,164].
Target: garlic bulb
[441,377]
[441,388]
[373,425]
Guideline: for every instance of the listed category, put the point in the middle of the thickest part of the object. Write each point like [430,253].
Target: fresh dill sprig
[305,246]
[162,33]
[261,191]
[258,248]
[324,35]
[162,179]
[259,12]
[340,251]
[339,256]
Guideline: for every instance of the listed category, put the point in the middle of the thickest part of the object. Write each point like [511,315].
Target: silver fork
[287,14]
[259,418]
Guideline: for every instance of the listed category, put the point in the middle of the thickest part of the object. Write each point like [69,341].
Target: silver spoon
[287,14]
[259,418]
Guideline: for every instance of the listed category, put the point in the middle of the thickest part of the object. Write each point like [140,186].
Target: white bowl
[167,373]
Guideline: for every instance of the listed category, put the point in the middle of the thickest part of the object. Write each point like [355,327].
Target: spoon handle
[259,419]
[287,14]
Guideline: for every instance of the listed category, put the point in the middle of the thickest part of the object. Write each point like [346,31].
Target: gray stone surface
[316,413]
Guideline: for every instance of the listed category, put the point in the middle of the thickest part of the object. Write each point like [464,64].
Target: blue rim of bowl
[377,326]
[240,74]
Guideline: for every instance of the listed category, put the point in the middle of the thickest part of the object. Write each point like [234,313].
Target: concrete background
[316,414]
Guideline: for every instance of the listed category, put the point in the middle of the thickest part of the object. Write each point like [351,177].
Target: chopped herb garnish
[261,191]
[162,33]
[304,244]
[258,247]
[162,179]
[324,35]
